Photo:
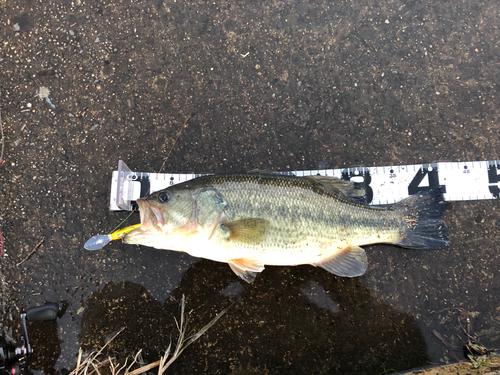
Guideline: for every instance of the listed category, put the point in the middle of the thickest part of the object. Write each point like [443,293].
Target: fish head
[169,210]
[172,217]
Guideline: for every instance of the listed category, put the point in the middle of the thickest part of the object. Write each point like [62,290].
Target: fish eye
[163,197]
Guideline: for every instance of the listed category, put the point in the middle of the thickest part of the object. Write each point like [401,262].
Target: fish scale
[315,212]
[255,219]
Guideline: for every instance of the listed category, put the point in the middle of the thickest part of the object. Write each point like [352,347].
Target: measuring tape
[459,181]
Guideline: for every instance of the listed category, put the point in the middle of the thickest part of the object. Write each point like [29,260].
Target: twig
[171,148]
[448,346]
[1,243]
[1,163]
[32,251]
[1,140]
[175,141]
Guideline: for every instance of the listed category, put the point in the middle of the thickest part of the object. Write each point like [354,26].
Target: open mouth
[151,217]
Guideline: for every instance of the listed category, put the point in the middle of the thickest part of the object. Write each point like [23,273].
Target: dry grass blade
[197,335]
[121,368]
[112,366]
[145,368]
[163,366]
[182,342]
[79,361]
[133,362]
[92,363]
[86,363]
[96,366]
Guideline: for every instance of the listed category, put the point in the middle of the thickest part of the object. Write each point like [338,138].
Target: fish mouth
[151,217]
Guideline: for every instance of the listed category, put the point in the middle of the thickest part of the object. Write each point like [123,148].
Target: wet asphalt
[270,85]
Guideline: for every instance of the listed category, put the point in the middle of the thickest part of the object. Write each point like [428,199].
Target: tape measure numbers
[459,181]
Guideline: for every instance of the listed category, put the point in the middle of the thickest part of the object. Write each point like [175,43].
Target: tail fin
[424,228]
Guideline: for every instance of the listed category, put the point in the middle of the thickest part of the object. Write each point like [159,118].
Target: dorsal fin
[263,172]
[345,190]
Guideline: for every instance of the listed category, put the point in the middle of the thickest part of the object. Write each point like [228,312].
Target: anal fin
[351,262]
[246,268]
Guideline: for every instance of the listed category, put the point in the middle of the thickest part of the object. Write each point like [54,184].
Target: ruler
[459,181]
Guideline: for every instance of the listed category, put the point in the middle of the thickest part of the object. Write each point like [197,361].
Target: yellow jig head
[101,240]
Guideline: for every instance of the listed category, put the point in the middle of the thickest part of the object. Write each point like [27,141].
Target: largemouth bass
[252,220]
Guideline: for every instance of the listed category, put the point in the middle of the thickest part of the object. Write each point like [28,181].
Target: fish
[256,219]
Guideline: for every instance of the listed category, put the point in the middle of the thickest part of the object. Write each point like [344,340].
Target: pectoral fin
[351,262]
[246,268]
[246,230]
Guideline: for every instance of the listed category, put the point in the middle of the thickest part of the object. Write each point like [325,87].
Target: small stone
[43,92]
